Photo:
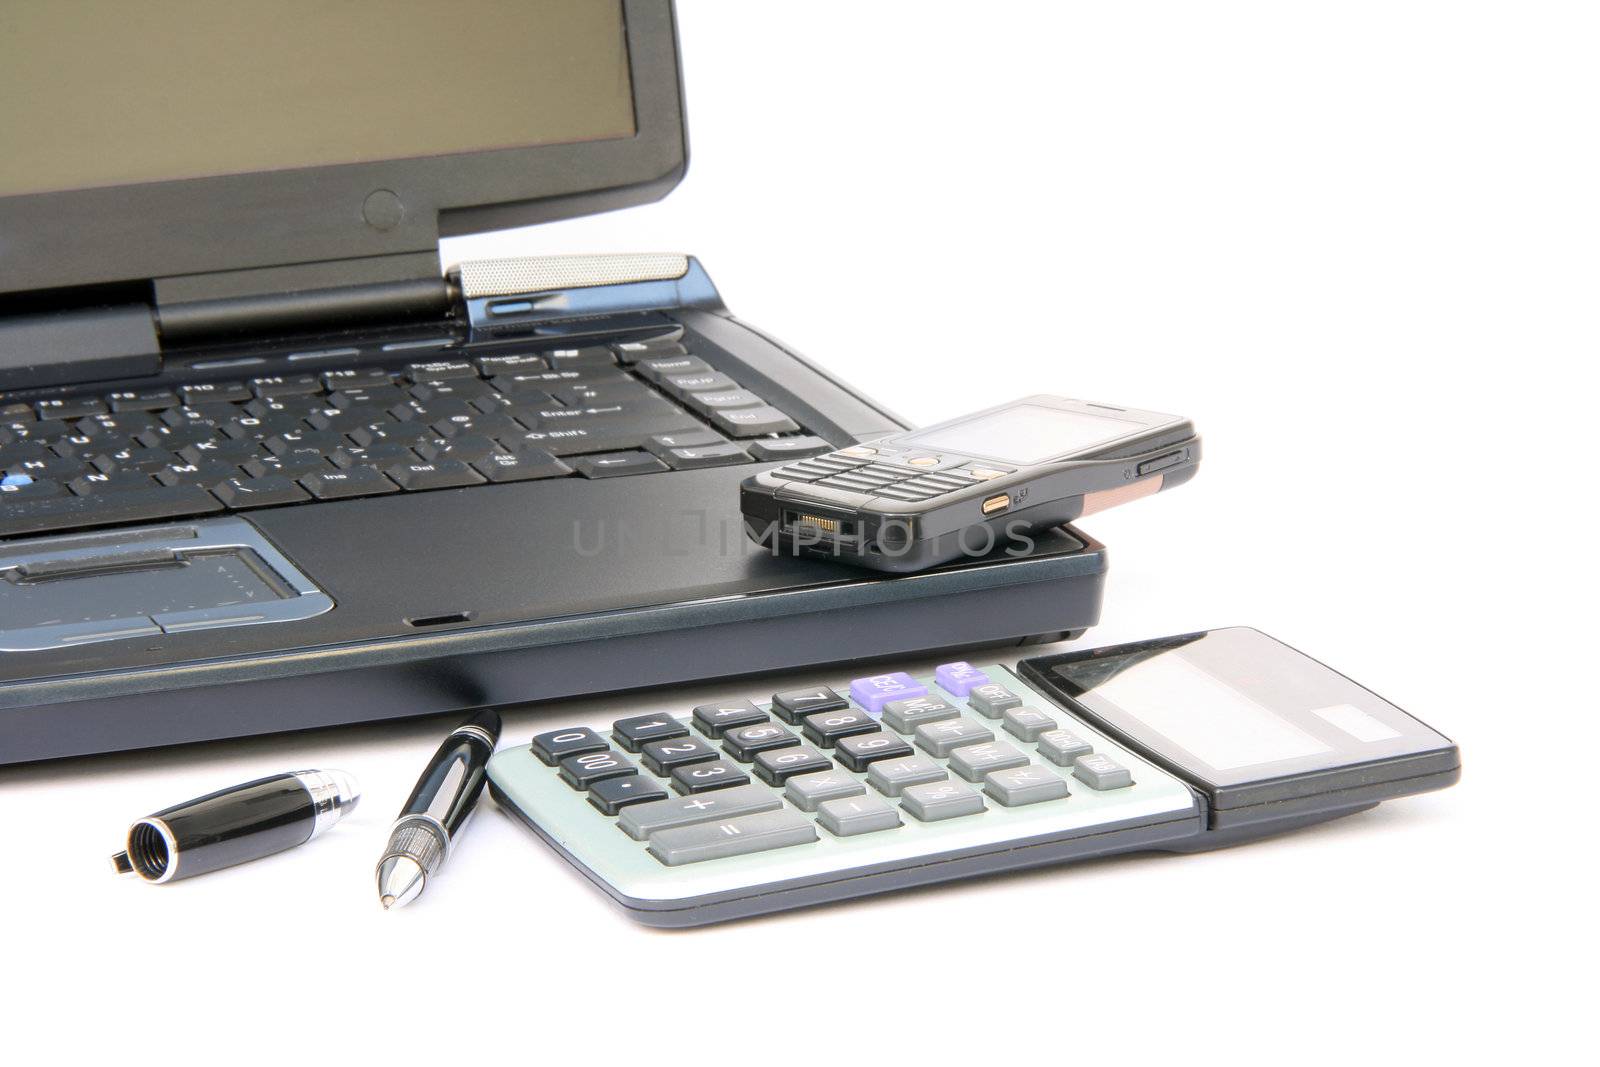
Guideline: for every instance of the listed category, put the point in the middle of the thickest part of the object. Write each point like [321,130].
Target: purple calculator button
[957,679]
[874,692]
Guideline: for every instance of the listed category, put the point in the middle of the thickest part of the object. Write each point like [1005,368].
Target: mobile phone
[973,486]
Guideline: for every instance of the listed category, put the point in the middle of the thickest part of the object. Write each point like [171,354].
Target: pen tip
[388,902]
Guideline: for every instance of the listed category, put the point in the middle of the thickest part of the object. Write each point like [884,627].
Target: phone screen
[1025,433]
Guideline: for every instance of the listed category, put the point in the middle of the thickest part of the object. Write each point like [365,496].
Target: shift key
[639,821]
[731,837]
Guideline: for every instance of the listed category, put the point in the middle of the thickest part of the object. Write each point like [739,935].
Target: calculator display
[1234,706]
[1025,433]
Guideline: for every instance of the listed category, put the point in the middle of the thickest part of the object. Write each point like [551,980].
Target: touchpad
[75,590]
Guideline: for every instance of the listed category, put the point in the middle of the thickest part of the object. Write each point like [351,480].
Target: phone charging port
[996,504]
[819,528]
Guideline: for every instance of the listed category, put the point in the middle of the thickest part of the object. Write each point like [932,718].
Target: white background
[1356,243]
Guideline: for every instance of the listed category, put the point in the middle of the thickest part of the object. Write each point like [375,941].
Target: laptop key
[267,491]
[47,514]
[521,466]
[589,356]
[753,422]
[72,407]
[684,439]
[203,475]
[14,487]
[379,455]
[442,474]
[210,392]
[721,455]
[617,464]
[286,385]
[293,466]
[142,400]
[341,485]
[118,481]
[354,378]
[58,468]
[723,399]
[146,460]
[440,370]
[468,448]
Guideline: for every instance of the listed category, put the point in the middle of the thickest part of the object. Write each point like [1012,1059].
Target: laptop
[265,466]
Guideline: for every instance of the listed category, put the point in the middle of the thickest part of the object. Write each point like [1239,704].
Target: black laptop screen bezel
[59,240]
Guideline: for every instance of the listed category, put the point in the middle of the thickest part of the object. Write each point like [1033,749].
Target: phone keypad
[911,477]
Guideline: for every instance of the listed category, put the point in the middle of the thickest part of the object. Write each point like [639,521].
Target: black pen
[445,795]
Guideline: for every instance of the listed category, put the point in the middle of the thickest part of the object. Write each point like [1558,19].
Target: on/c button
[1160,463]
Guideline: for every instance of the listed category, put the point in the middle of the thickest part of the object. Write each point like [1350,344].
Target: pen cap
[235,825]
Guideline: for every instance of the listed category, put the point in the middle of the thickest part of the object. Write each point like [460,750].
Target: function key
[856,815]
[633,732]
[70,407]
[788,447]
[939,739]
[806,791]
[556,745]
[142,400]
[215,393]
[714,720]
[937,801]
[714,400]
[972,762]
[958,678]
[827,727]
[581,772]
[1032,784]
[1028,724]
[776,766]
[1099,771]
[489,366]
[992,700]
[743,742]
[639,821]
[286,385]
[704,777]
[874,691]
[1062,747]
[590,356]
[354,378]
[611,795]
[735,837]
[662,756]
[440,370]
[858,751]
[794,703]
[908,714]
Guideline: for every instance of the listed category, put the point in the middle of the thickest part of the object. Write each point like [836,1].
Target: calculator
[888,780]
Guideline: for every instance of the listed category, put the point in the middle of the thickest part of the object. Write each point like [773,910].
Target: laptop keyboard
[600,411]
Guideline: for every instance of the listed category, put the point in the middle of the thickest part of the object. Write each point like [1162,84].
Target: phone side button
[1160,463]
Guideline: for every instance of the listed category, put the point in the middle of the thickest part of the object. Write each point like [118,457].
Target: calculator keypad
[898,758]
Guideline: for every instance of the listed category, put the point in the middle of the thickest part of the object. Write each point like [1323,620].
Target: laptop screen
[107,92]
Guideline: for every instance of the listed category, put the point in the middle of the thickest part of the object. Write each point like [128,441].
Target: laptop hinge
[510,295]
[78,344]
[304,297]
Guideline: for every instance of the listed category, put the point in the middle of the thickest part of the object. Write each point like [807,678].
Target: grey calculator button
[908,714]
[972,762]
[731,837]
[1063,746]
[942,738]
[639,821]
[992,700]
[891,776]
[1028,723]
[1032,784]
[1099,771]
[857,815]
[935,801]
[806,791]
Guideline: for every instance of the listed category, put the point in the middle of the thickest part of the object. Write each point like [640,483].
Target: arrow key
[617,464]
